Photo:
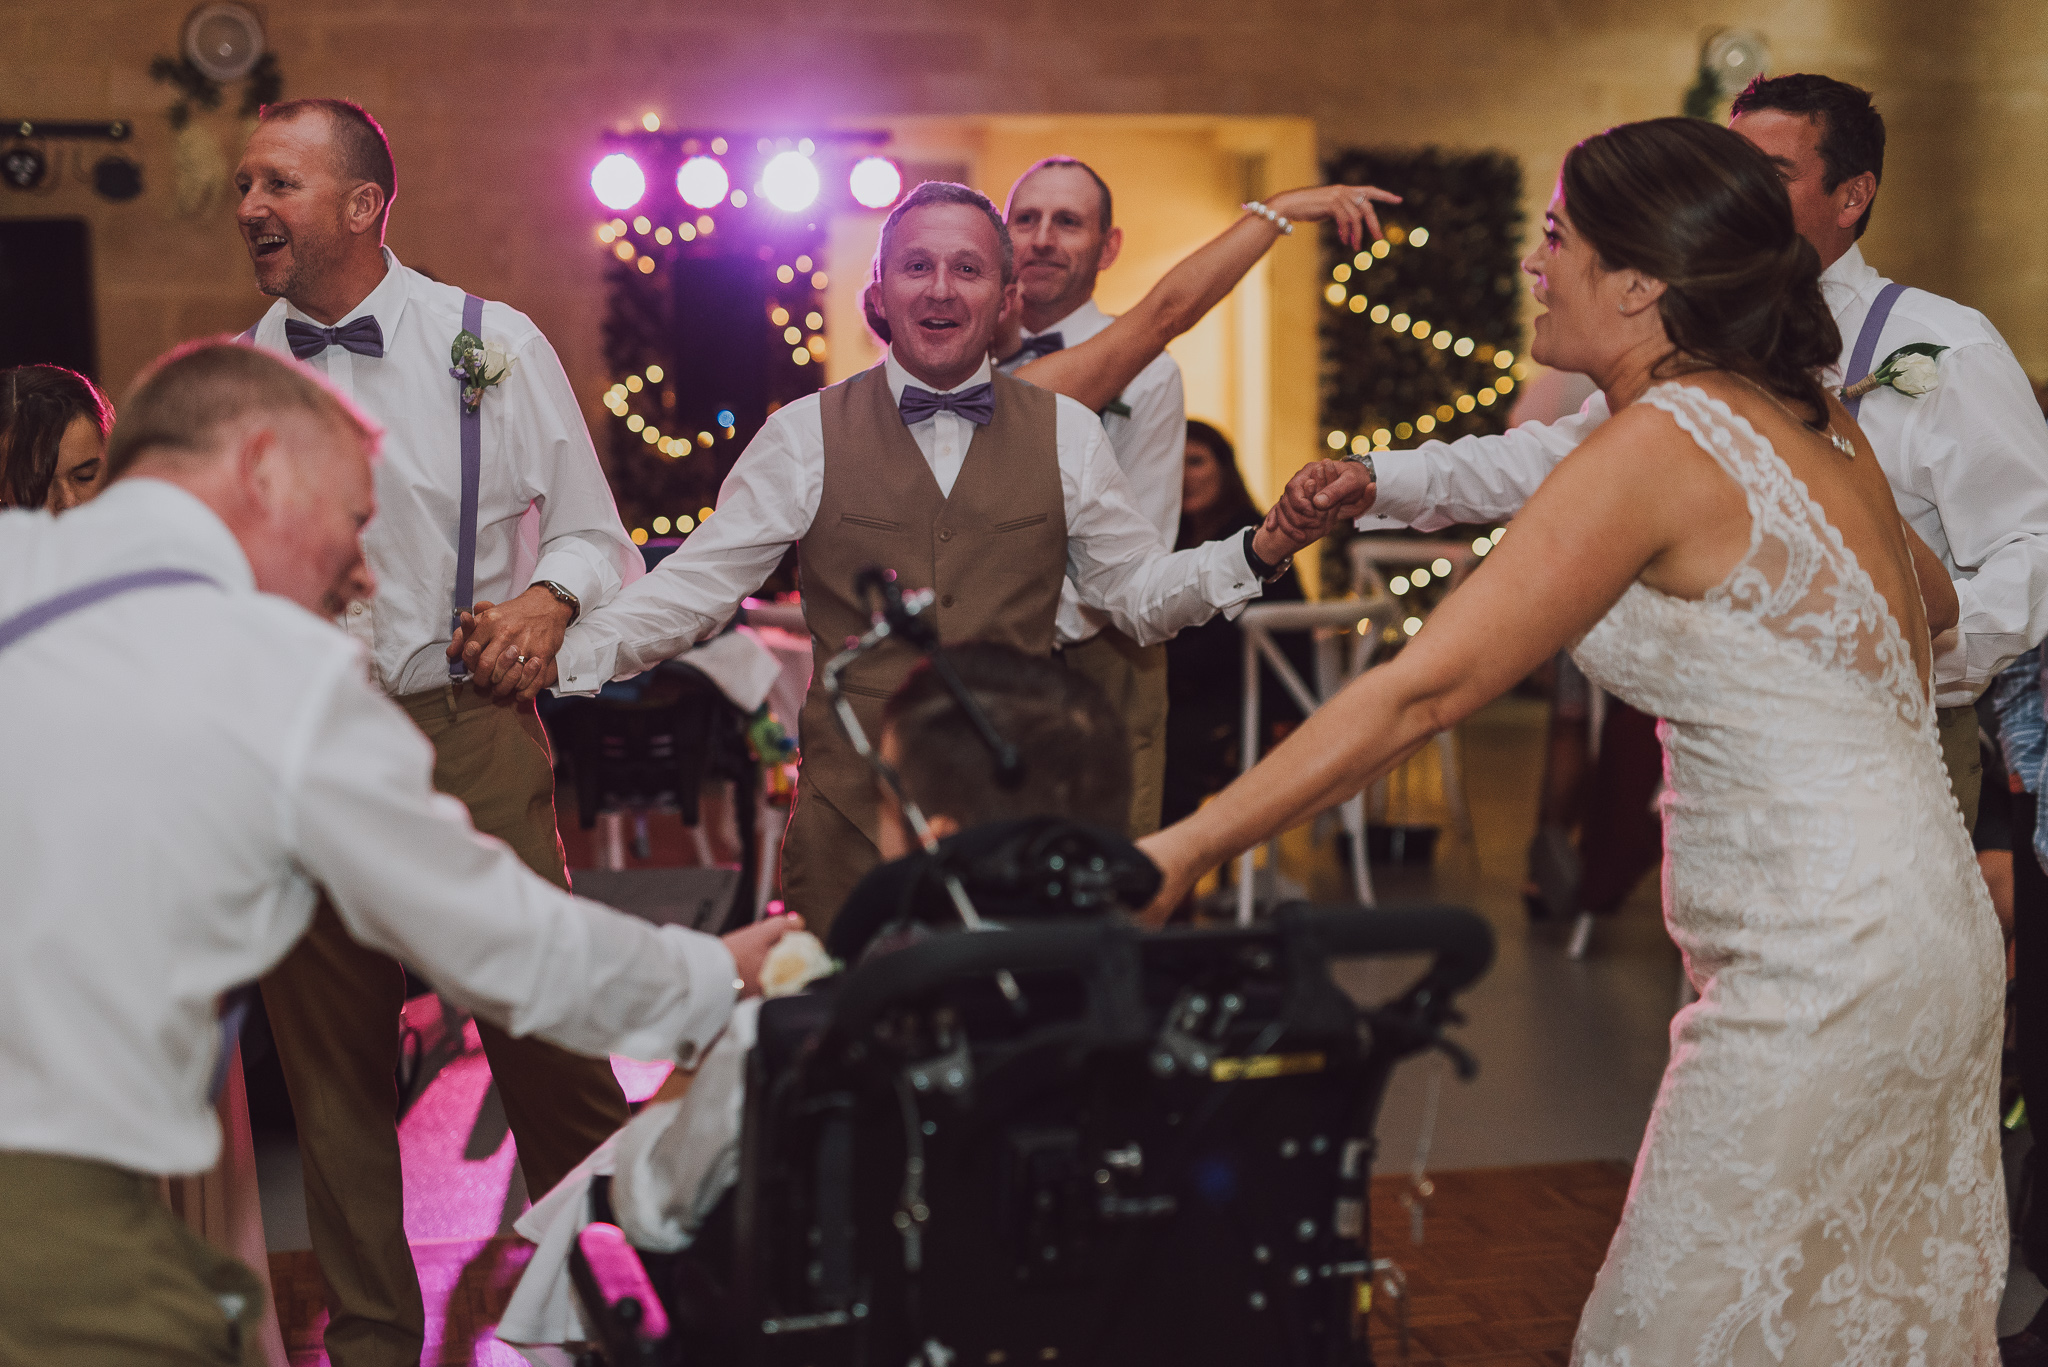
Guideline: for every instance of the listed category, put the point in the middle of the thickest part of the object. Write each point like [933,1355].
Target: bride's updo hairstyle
[1699,208]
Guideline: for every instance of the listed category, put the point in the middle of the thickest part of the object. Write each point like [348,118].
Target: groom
[317,183]
[1967,460]
[985,489]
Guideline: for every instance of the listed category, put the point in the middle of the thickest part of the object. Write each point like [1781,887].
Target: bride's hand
[1348,206]
[1168,850]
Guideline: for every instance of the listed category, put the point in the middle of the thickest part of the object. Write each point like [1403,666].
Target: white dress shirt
[1968,465]
[544,510]
[1150,445]
[1115,558]
[185,765]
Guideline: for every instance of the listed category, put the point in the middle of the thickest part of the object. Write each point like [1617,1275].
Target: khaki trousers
[95,1271]
[1958,729]
[823,855]
[1134,679]
[334,1009]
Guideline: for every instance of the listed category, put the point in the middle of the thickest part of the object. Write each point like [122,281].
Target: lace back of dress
[1798,581]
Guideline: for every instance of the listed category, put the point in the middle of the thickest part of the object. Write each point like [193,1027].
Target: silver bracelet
[1283,224]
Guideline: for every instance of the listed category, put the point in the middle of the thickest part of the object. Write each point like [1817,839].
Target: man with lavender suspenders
[198,757]
[489,489]
[1948,410]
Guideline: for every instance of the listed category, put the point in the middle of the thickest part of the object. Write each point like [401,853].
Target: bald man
[175,634]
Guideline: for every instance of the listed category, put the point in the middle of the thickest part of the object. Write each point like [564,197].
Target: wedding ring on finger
[522,659]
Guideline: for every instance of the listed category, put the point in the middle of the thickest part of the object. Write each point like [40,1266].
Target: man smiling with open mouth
[987,490]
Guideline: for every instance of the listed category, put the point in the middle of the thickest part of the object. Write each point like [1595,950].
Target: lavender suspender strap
[38,615]
[235,1004]
[472,474]
[1866,342]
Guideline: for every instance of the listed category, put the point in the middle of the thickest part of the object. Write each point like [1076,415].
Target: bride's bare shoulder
[1647,441]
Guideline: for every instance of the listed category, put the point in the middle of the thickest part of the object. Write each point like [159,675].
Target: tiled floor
[1509,1256]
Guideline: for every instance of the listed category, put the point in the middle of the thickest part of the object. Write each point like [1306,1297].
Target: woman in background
[1205,664]
[53,437]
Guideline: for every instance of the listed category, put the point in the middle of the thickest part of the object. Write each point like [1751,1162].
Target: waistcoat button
[945,533]
[947,601]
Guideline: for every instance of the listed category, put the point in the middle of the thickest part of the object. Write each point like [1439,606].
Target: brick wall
[493,112]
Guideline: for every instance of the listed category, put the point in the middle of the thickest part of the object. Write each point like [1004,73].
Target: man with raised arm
[987,490]
[1965,450]
[195,755]
[490,491]
[1060,220]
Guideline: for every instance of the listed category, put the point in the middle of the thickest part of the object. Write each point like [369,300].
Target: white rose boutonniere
[1913,370]
[480,365]
[798,959]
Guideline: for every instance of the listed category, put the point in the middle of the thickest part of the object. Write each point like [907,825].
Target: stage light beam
[876,182]
[702,182]
[790,180]
[618,182]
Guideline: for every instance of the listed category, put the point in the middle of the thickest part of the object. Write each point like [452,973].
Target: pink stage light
[702,183]
[875,182]
[790,180]
[618,182]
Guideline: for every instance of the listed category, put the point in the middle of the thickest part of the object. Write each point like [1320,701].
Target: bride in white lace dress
[1819,1182]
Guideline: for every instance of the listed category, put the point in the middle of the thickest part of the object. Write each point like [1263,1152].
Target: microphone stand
[901,617]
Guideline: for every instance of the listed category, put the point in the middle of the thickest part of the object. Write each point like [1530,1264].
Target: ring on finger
[522,659]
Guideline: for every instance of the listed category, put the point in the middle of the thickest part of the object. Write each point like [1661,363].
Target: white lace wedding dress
[1820,1181]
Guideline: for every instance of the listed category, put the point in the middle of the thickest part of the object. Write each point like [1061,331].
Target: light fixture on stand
[225,41]
[1730,59]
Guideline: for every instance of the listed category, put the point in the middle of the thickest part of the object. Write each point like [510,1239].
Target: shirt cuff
[708,967]
[1233,584]
[577,671]
[1401,494]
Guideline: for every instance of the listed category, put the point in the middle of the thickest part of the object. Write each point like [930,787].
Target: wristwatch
[562,595]
[1364,458]
[1266,573]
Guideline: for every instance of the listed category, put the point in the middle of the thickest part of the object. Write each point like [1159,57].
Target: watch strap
[1265,573]
[563,596]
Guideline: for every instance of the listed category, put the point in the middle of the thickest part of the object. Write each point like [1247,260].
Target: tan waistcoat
[994,551]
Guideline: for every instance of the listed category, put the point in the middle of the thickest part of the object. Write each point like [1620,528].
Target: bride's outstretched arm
[1099,369]
[1595,524]
[1937,591]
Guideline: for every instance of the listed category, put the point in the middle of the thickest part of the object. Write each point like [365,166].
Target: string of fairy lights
[805,338]
[1343,293]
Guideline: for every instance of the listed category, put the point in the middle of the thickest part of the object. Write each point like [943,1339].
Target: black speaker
[46,304]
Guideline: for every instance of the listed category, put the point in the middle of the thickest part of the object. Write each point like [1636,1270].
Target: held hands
[750,946]
[1339,489]
[510,647]
[1348,206]
[1321,494]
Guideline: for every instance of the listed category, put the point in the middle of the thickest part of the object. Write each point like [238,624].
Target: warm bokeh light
[702,182]
[875,182]
[790,180]
[618,181]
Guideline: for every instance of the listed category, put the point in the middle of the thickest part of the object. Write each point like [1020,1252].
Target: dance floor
[1507,1257]
[1513,1236]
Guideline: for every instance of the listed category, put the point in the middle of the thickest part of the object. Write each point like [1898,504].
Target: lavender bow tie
[1044,344]
[362,336]
[977,405]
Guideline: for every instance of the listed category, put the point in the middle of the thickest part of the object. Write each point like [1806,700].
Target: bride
[1819,1181]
